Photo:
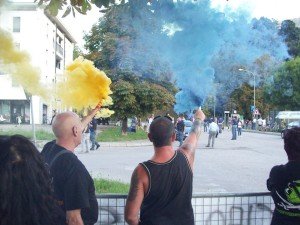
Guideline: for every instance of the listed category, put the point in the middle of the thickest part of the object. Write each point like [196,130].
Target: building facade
[50,46]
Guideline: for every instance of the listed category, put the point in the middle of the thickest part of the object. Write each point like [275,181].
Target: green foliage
[114,134]
[291,35]
[139,98]
[77,52]
[284,92]
[125,103]
[81,6]
[40,134]
[242,98]
[110,186]
[135,92]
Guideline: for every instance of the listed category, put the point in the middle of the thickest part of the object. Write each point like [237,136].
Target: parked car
[187,128]
[289,126]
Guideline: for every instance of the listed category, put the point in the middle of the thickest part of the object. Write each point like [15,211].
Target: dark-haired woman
[25,189]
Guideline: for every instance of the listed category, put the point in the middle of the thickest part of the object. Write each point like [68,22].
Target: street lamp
[253,74]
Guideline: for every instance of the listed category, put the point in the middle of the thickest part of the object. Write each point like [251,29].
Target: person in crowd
[250,125]
[53,116]
[260,124]
[93,134]
[149,121]
[284,182]
[161,188]
[254,120]
[85,142]
[213,130]
[73,186]
[234,124]
[220,124]
[239,127]
[180,128]
[25,190]
[206,124]
[134,124]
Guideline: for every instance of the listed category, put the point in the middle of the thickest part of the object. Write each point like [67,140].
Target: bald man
[73,186]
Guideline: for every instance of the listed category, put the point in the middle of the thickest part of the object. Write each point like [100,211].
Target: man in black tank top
[161,188]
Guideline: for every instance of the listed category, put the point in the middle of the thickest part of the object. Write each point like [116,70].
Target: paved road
[232,166]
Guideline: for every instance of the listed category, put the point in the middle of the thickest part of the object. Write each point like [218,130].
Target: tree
[83,6]
[77,52]
[291,35]
[284,91]
[138,98]
[242,98]
[139,87]
[80,6]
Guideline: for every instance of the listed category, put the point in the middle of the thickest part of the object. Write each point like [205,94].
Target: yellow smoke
[17,64]
[104,113]
[84,85]
[107,102]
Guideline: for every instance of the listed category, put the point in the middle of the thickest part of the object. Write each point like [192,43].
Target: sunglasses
[163,116]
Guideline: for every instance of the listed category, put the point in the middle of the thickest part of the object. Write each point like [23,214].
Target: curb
[125,144]
[40,143]
[262,132]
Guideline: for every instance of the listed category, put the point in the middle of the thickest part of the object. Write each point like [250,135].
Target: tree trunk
[124,126]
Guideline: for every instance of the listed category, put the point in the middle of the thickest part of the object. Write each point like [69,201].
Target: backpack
[180,126]
[48,166]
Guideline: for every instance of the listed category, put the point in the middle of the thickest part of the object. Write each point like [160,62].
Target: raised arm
[87,119]
[190,144]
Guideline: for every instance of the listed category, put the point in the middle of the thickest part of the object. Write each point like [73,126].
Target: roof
[61,27]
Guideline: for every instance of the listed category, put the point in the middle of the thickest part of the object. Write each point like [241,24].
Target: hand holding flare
[87,119]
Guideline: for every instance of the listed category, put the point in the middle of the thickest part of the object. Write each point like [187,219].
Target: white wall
[37,38]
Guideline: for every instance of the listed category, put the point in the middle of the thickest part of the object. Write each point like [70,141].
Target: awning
[291,115]
[15,93]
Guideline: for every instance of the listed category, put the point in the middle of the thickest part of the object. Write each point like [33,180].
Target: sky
[276,9]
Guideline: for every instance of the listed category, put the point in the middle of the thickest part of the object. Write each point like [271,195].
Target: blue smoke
[201,46]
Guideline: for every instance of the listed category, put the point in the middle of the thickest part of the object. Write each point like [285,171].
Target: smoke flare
[84,85]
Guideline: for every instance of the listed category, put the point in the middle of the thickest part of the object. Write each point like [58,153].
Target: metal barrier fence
[209,209]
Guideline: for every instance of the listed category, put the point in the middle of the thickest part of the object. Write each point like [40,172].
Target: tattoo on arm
[196,128]
[133,187]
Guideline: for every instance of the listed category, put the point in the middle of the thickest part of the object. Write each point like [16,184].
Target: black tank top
[168,201]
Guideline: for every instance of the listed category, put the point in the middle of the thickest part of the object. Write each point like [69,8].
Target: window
[16,24]
[59,40]
[17,45]
[58,63]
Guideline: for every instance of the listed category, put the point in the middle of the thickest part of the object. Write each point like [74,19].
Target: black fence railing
[209,209]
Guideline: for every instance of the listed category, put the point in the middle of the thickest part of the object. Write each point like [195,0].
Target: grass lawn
[40,134]
[110,134]
[114,134]
[103,186]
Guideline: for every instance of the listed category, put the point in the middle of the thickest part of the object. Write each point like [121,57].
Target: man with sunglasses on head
[161,188]
[73,186]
